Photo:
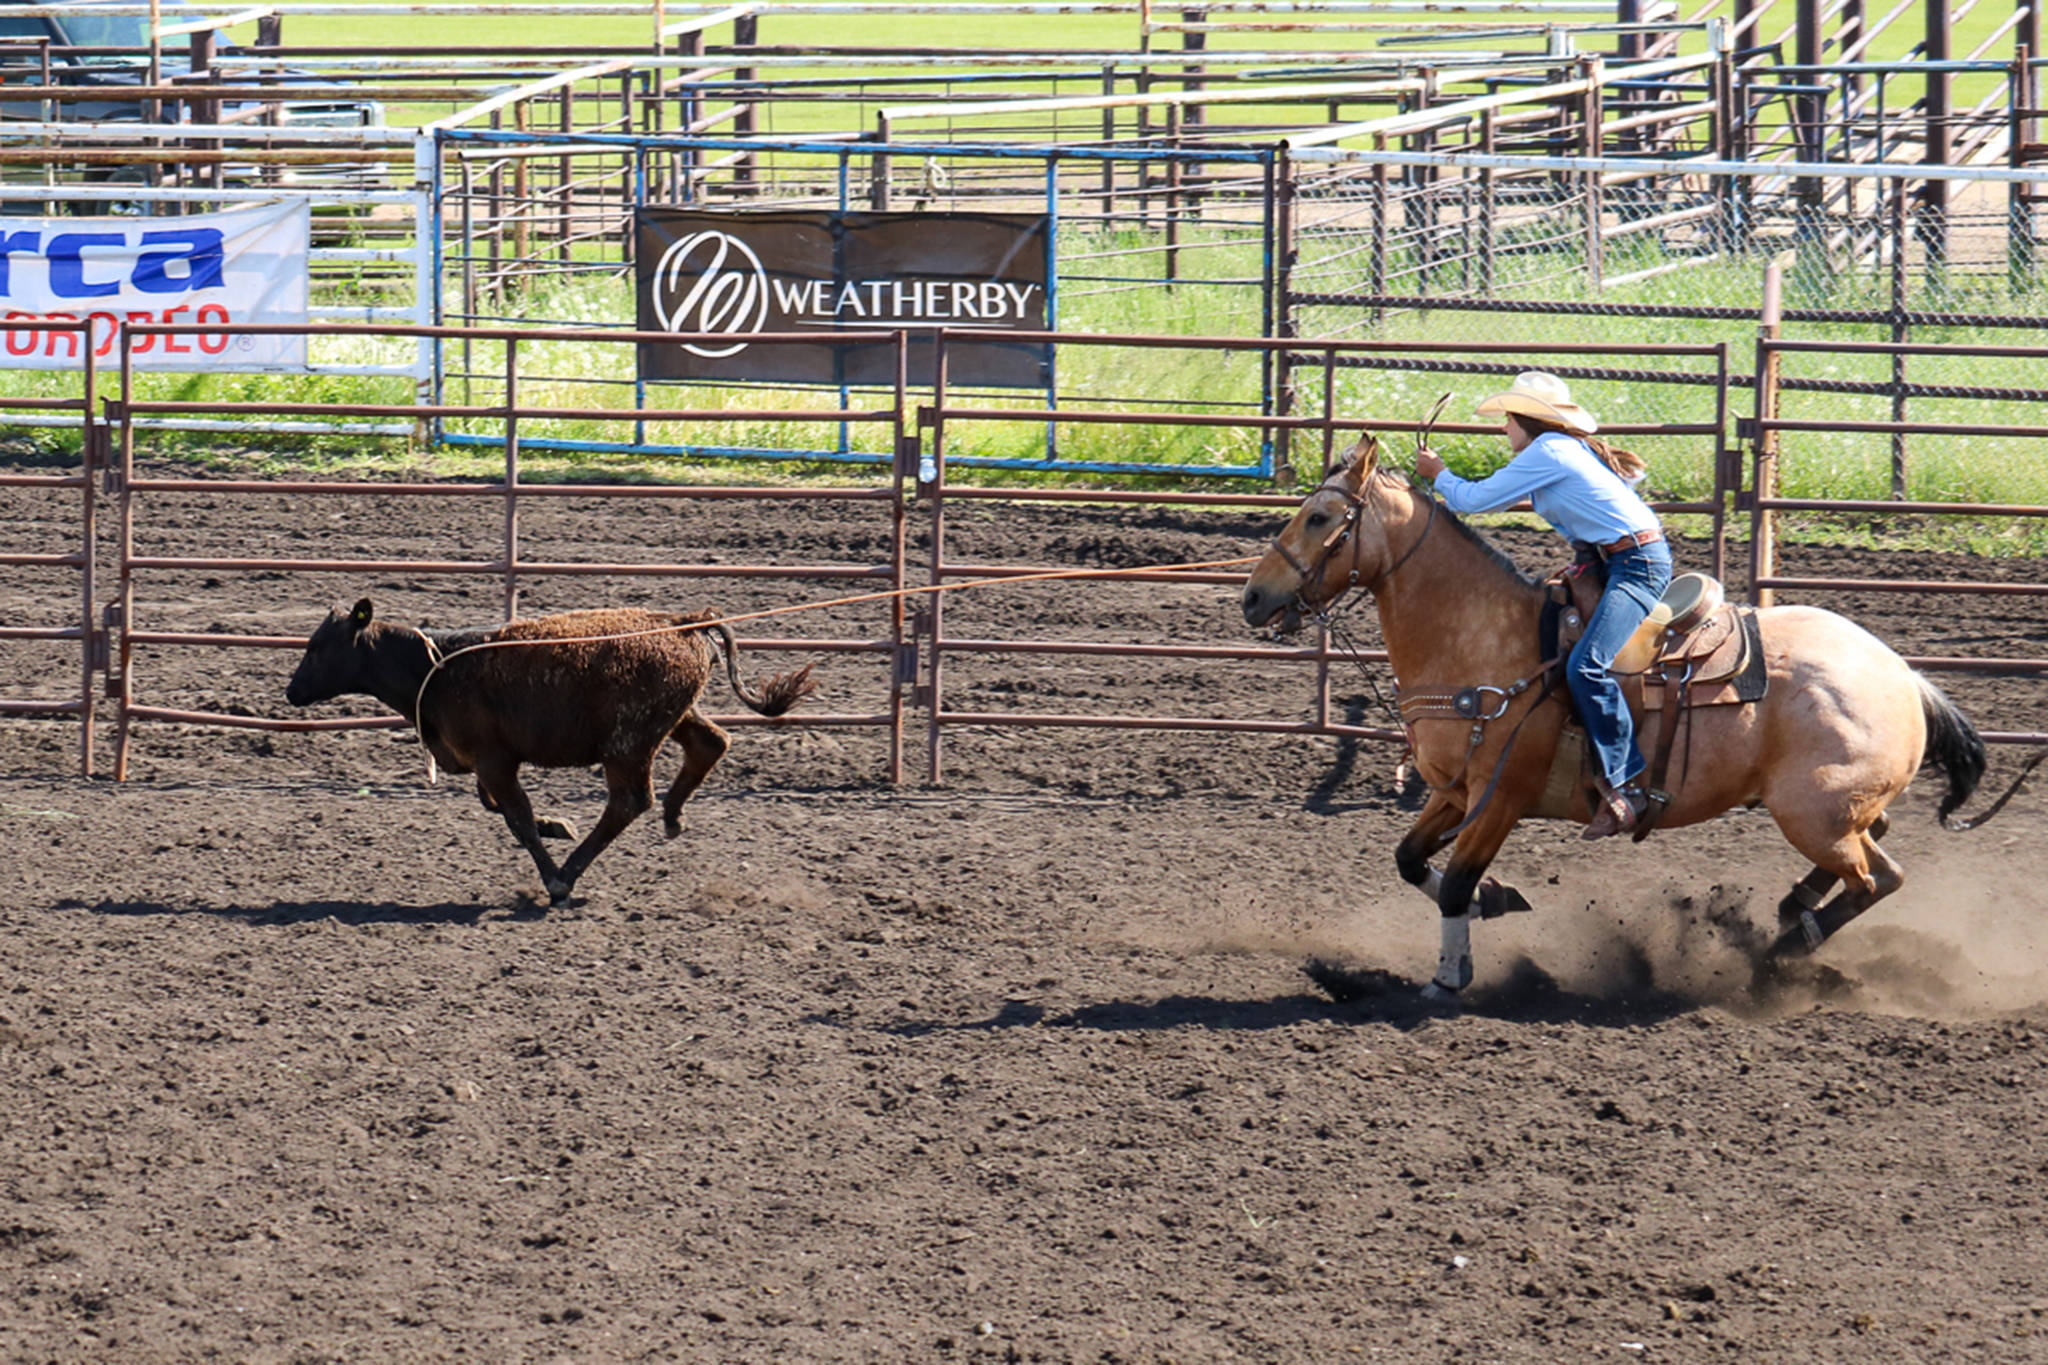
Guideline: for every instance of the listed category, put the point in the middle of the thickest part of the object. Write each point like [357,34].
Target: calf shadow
[283,914]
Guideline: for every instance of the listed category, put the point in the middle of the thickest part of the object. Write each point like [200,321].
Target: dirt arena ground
[293,1067]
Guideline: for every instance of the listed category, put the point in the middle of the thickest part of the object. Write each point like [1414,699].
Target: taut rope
[439,661]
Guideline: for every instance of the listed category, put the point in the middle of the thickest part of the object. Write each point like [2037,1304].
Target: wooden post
[1630,45]
[1596,262]
[878,169]
[1144,83]
[1763,553]
[204,46]
[746,32]
[1809,114]
[1108,138]
[1191,74]
[1934,202]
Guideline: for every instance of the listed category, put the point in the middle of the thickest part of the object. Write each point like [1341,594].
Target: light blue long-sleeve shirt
[1570,487]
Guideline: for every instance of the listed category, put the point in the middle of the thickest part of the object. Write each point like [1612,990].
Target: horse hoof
[555,829]
[1434,994]
[1498,898]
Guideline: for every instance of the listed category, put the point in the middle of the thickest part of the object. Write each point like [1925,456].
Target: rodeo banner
[244,265]
[736,275]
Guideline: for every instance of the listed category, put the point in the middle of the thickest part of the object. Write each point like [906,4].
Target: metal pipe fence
[915,646]
[80,558]
[513,569]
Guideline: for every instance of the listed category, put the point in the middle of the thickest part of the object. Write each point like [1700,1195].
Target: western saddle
[1695,649]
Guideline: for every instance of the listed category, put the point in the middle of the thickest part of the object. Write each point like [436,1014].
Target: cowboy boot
[1620,808]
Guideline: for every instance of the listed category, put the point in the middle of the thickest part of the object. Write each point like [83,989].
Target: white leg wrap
[1454,961]
[1432,886]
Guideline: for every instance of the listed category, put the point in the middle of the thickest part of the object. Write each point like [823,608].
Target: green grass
[2008,470]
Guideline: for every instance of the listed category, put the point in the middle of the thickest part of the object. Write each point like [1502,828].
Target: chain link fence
[1398,249]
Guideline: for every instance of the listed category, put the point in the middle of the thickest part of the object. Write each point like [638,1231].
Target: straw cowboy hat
[1540,394]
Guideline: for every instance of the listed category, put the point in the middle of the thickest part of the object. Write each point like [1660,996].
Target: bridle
[1355,505]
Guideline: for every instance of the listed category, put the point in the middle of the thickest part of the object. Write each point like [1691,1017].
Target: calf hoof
[551,828]
[670,828]
[558,892]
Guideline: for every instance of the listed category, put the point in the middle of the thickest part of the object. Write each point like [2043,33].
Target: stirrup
[1620,808]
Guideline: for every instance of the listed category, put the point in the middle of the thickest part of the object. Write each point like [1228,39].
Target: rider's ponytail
[1625,463]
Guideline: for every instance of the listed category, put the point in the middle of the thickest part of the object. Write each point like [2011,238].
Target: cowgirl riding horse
[1585,489]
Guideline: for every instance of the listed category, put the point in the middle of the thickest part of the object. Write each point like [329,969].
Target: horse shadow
[1408,794]
[1348,995]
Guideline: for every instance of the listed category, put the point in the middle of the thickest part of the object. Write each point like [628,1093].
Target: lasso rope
[439,661]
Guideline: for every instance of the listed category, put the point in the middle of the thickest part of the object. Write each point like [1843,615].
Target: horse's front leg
[1460,885]
[1426,838]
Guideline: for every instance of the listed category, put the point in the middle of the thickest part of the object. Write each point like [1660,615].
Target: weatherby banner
[736,275]
[246,265]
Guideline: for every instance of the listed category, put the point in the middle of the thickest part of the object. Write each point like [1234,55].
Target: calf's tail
[1954,746]
[778,694]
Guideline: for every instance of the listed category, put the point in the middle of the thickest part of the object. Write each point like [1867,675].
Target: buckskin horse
[1839,730]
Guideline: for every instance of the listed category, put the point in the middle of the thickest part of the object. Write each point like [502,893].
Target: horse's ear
[1365,456]
[360,617]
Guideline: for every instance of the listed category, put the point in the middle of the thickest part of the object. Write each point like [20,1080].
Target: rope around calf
[440,661]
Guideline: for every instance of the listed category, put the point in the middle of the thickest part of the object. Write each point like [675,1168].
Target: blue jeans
[1635,580]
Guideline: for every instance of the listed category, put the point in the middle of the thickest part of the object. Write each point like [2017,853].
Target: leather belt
[1632,541]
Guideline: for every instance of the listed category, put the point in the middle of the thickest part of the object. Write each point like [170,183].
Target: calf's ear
[360,617]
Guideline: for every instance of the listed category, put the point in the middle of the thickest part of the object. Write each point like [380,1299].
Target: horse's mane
[1471,533]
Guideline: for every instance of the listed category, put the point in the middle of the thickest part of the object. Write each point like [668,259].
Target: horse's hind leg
[703,744]
[1869,875]
[1809,891]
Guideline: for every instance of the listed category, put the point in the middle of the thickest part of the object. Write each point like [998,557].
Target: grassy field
[1818,465]
[1048,33]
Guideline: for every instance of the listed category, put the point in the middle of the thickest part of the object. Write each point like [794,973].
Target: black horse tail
[1953,746]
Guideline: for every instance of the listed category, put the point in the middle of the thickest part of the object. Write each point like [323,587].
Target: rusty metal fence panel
[1314,433]
[913,642]
[508,499]
[51,571]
